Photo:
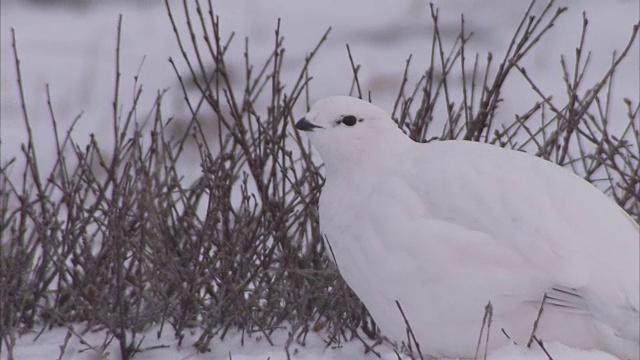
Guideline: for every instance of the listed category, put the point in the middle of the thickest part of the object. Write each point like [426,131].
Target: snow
[165,347]
[234,347]
[72,50]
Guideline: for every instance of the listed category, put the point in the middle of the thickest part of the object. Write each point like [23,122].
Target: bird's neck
[370,154]
[383,161]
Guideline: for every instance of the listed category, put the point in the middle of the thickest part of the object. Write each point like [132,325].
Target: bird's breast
[365,223]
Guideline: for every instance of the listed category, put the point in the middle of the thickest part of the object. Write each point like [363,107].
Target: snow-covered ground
[72,50]
[254,347]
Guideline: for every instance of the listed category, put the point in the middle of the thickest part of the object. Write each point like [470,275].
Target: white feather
[448,226]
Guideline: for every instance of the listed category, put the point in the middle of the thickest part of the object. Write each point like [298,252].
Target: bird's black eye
[349,120]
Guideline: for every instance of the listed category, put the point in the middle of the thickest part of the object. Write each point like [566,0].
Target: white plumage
[448,226]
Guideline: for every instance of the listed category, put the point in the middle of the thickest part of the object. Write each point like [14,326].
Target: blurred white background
[70,46]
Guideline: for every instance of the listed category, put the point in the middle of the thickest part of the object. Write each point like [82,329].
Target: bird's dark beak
[306,125]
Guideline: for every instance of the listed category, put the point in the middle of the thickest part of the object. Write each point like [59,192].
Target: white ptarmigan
[448,226]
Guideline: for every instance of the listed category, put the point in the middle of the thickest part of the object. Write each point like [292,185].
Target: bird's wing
[558,224]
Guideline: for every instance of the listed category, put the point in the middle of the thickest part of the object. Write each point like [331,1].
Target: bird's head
[348,130]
